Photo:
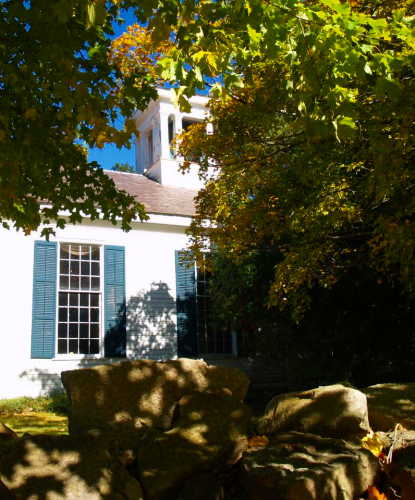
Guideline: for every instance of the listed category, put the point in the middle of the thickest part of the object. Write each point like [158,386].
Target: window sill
[87,358]
[76,357]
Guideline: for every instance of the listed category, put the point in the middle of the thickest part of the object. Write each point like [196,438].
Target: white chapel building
[95,294]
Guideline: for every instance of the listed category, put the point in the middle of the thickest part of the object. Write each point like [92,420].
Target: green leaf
[336,5]
[254,36]
[367,69]
[302,107]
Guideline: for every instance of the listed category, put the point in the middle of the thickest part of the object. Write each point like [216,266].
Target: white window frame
[69,356]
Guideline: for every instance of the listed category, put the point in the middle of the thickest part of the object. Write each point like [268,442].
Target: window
[149,148]
[197,333]
[213,339]
[79,301]
[194,156]
[172,134]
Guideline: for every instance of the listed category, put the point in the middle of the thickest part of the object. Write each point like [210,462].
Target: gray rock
[64,468]
[332,411]
[209,433]
[297,466]
[128,395]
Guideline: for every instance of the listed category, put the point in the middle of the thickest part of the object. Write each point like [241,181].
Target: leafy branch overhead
[313,120]
[58,92]
[313,134]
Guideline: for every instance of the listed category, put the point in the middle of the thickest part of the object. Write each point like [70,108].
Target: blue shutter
[44,300]
[186,307]
[115,337]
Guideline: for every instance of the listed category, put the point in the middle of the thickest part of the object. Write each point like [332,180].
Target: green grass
[43,415]
[36,423]
[57,403]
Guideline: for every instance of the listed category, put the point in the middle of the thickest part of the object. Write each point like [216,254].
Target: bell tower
[158,126]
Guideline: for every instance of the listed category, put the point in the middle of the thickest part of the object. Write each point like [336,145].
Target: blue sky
[110,154]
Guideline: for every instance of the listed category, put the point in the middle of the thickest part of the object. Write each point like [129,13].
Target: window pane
[64,251]
[83,316]
[63,314]
[84,283]
[62,346]
[94,331]
[95,268]
[84,299]
[94,315]
[85,268]
[63,299]
[94,283]
[64,282]
[94,300]
[83,331]
[74,267]
[85,252]
[83,346]
[74,283]
[73,331]
[73,346]
[94,349]
[73,299]
[73,314]
[75,250]
[94,253]
[62,330]
[64,267]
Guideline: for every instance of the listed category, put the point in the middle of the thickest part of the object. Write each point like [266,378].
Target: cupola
[158,126]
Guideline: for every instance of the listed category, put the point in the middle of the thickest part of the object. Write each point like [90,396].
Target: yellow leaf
[374,442]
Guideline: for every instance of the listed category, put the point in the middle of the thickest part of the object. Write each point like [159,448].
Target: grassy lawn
[44,415]
[36,422]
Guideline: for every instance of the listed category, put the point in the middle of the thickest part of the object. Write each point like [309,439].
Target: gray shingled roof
[156,198]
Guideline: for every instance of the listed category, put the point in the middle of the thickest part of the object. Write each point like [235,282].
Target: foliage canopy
[60,91]
[313,136]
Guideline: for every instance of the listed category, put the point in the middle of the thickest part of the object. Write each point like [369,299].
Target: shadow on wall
[151,334]
[49,383]
[151,326]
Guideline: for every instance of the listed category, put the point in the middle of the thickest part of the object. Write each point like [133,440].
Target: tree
[310,208]
[314,153]
[59,91]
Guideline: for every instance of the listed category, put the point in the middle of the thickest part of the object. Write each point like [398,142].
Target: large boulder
[125,396]
[204,486]
[64,468]
[401,472]
[5,493]
[209,433]
[390,404]
[297,466]
[333,411]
